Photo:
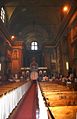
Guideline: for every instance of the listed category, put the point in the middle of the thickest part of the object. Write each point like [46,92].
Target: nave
[38,37]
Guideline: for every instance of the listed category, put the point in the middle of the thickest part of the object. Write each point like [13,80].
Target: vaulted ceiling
[35,20]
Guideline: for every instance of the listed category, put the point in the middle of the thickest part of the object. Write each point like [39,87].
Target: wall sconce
[66,9]
[67,65]
[0,66]
[13,38]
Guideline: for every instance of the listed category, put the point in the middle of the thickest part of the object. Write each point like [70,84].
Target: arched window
[2,14]
[34,45]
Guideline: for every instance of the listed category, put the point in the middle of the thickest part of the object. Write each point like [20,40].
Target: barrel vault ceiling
[35,20]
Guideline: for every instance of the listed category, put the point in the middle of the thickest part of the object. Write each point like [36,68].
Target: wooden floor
[61,100]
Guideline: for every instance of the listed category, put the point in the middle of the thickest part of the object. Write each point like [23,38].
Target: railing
[44,111]
[10,100]
[42,108]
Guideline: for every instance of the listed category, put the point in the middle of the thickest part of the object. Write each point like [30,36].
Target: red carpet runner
[27,110]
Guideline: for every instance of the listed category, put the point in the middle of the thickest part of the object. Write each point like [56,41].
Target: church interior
[38,59]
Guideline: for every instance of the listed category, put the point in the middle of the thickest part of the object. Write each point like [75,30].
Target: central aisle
[27,109]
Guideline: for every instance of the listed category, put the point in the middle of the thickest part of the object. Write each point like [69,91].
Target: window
[2,15]
[34,46]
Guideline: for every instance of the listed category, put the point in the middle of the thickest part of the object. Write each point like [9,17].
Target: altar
[34,74]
